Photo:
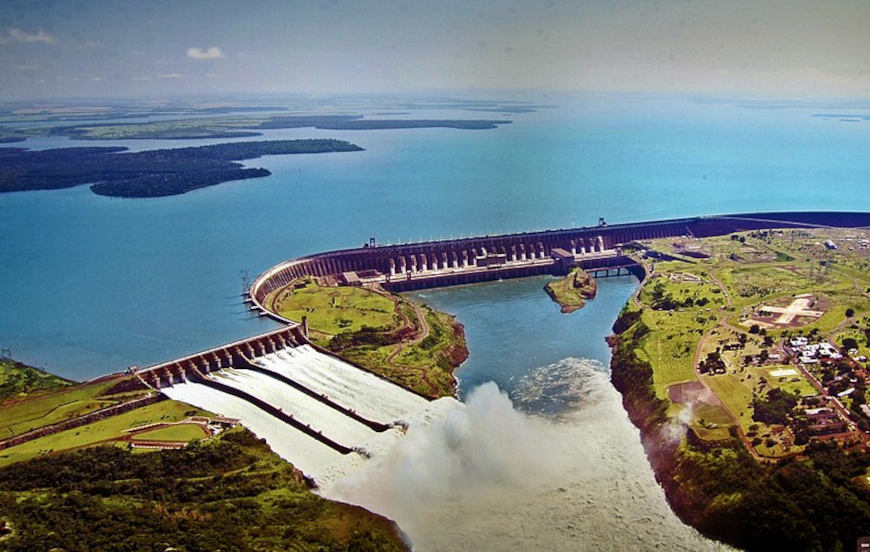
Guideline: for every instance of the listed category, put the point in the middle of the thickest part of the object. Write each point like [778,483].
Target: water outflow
[569,473]
[330,401]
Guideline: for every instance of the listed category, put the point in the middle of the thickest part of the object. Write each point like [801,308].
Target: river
[542,457]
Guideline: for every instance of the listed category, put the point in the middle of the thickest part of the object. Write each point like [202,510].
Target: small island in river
[572,291]
[154,173]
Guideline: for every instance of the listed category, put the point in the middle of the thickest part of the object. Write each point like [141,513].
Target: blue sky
[124,48]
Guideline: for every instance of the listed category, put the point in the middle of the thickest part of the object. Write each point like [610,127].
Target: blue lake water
[513,327]
[90,284]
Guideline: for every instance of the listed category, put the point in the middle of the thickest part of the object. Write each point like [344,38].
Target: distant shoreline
[112,171]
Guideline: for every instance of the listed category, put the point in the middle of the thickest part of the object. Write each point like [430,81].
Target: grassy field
[24,415]
[175,432]
[18,380]
[426,366]
[104,430]
[795,384]
[334,310]
[408,343]
[672,350]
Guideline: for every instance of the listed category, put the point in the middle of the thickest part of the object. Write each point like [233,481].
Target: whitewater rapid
[491,477]
[369,396]
[555,466]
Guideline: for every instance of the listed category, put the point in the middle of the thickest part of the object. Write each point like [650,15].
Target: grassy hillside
[411,344]
[18,380]
[231,494]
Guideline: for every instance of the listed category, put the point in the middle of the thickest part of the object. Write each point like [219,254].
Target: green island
[152,173]
[408,343]
[242,126]
[85,477]
[572,291]
[743,361]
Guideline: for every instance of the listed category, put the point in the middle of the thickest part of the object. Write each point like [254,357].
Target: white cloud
[97,79]
[170,76]
[198,53]
[17,35]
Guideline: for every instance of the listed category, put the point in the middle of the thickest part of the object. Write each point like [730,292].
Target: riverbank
[700,379]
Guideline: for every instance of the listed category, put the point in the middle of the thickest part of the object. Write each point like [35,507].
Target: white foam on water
[306,453]
[350,387]
[489,477]
[365,393]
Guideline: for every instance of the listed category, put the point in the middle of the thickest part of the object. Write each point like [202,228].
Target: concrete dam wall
[448,262]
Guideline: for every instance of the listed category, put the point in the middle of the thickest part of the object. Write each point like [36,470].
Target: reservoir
[93,284]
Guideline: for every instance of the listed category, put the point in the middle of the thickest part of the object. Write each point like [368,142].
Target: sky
[769,48]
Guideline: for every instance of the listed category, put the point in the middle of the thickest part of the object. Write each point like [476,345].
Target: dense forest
[151,173]
[232,494]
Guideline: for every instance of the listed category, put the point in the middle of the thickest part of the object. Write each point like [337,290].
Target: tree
[850,312]
[850,343]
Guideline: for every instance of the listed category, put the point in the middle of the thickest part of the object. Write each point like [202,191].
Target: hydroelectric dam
[325,414]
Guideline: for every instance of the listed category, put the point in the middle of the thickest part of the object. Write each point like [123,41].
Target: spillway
[330,401]
[334,378]
[319,416]
[307,454]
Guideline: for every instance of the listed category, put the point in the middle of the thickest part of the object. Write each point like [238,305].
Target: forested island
[229,127]
[572,291]
[154,173]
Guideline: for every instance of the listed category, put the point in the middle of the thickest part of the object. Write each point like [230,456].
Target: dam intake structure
[599,250]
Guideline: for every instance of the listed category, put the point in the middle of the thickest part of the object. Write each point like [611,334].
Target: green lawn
[792,383]
[669,347]
[19,380]
[177,432]
[20,417]
[342,318]
[335,310]
[108,428]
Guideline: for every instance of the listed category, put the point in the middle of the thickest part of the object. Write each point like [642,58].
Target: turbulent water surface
[544,460]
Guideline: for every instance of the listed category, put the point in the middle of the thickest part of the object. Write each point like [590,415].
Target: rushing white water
[489,477]
[321,417]
[357,389]
[307,453]
[349,387]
